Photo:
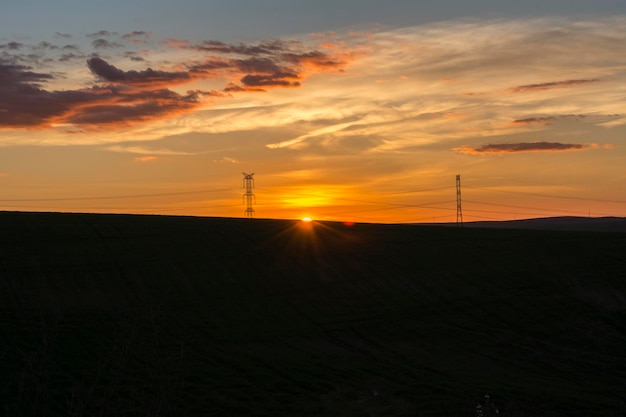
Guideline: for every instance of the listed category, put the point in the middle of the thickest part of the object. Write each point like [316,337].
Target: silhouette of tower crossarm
[248,197]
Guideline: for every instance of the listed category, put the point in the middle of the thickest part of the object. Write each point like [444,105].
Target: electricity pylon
[249,197]
[459,210]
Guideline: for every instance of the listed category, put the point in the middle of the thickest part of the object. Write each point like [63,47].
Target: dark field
[118,315]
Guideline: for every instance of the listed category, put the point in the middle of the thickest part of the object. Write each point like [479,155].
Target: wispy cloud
[566,118]
[147,151]
[506,148]
[226,160]
[551,85]
[533,121]
[268,47]
[149,158]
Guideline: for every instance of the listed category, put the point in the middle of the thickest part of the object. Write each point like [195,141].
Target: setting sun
[307,219]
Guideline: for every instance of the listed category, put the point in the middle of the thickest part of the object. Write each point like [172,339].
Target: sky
[356,111]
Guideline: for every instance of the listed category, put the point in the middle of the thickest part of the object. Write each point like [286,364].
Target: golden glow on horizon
[307,219]
[303,202]
[311,196]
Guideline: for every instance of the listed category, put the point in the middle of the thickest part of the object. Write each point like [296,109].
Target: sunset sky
[344,110]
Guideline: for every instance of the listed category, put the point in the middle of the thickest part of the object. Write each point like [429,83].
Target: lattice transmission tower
[249,197]
[459,209]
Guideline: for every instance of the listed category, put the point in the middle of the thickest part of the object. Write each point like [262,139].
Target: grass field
[120,315]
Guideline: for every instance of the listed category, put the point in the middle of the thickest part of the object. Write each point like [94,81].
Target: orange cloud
[145,158]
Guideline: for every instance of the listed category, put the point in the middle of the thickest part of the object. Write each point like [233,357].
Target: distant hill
[120,315]
[566,223]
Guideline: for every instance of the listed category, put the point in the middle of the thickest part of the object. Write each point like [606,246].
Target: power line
[396,206]
[354,200]
[420,191]
[550,196]
[386,205]
[16,200]
[522,207]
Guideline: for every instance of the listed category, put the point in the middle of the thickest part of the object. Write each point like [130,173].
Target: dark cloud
[278,79]
[133,56]
[551,85]
[20,58]
[62,35]
[137,36]
[123,97]
[313,58]
[210,65]
[14,75]
[262,48]
[46,45]
[533,121]
[24,103]
[505,148]
[269,63]
[270,53]
[257,65]
[110,73]
[70,57]
[105,44]
[234,88]
[195,95]
[264,72]
[12,46]
[564,118]
[100,34]
[134,108]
